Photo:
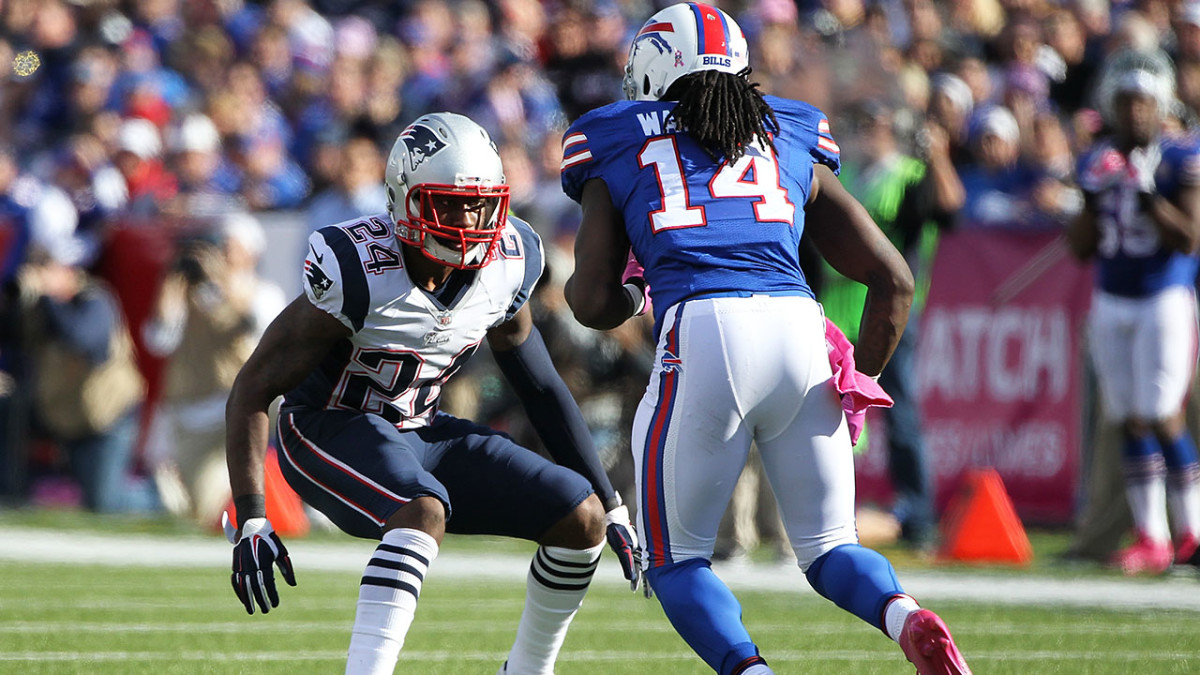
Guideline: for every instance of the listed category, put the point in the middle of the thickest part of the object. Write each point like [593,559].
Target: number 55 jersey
[700,226]
[405,342]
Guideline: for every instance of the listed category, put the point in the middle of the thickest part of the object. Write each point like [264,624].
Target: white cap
[52,223]
[954,89]
[141,137]
[1190,13]
[1000,122]
[196,133]
[245,229]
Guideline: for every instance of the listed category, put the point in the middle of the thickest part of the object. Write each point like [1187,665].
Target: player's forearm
[885,315]
[602,306]
[948,191]
[553,412]
[247,431]
[1176,228]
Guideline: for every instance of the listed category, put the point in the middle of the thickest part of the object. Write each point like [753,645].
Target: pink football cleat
[1145,556]
[927,643]
[1185,549]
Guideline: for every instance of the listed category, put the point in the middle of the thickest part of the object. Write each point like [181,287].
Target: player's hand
[622,539]
[1143,164]
[255,552]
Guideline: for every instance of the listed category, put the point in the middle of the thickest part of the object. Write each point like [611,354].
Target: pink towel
[858,391]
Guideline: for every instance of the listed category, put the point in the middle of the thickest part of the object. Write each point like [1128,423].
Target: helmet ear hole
[645,85]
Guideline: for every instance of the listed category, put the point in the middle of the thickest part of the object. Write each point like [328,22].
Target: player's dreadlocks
[723,111]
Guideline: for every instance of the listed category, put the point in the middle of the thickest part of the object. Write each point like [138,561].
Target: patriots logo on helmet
[422,144]
[317,279]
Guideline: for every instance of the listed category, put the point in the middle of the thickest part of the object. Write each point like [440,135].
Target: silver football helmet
[685,38]
[444,163]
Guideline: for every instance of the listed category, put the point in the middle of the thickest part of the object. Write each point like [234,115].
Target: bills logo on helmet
[317,279]
[422,144]
[652,33]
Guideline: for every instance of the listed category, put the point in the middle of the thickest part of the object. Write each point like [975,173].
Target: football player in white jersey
[394,304]
[1141,223]
[709,182]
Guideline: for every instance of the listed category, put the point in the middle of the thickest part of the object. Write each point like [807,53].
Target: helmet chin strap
[438,251]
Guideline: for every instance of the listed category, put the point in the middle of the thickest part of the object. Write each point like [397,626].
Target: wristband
[637,297]
[250,506]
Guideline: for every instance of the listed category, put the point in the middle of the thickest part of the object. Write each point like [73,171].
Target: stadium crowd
[139,141]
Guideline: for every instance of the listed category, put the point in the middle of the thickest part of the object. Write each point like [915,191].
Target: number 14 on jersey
[755,175]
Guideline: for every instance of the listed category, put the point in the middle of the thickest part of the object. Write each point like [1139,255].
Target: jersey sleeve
[334,280]
[531,249]
[807,127]
[1099,169]
[578,165]
[1189,163]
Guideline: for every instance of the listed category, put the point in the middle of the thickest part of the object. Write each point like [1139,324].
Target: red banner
[999,371]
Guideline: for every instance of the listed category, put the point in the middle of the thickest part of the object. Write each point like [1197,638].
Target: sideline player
[394,305]
[710,183]
[1141,221]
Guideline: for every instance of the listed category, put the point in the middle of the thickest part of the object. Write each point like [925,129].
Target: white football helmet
[685,38]
[1130,71]
[447,159]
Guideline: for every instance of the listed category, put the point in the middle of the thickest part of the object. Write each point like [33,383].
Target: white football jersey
[406,342]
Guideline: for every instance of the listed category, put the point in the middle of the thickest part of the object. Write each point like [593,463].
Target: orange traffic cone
[284,508]
[981,524]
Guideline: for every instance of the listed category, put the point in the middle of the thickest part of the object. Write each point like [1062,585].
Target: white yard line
[50,546]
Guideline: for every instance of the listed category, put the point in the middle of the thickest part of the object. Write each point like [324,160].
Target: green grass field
[58,618]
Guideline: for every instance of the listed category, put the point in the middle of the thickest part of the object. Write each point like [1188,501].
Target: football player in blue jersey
[712,184]
[1141,223]
[394,304]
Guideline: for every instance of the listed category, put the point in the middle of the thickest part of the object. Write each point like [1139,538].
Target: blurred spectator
[96,188]
[1000,187]
[358,189]
[148,182]
[1069,85]
[207,180]
[585,74]
[950,106]
[86,386]
[911,199]
[270,178]
[210,311]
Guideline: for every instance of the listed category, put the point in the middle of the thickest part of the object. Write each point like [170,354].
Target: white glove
[1143,164]
[255,553]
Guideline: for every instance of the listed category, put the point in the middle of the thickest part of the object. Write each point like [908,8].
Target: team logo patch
[671,363]
[422,144]
[318,281]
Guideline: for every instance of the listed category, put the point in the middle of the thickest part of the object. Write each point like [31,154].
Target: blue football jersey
[1131,259]
[700,226]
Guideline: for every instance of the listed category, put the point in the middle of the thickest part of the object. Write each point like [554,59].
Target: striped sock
[387,600]
[554,589]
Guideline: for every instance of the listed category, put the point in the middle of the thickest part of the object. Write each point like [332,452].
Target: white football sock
[387,600]
[896,613]
[554,588]
[1148,504]
[1183,500]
